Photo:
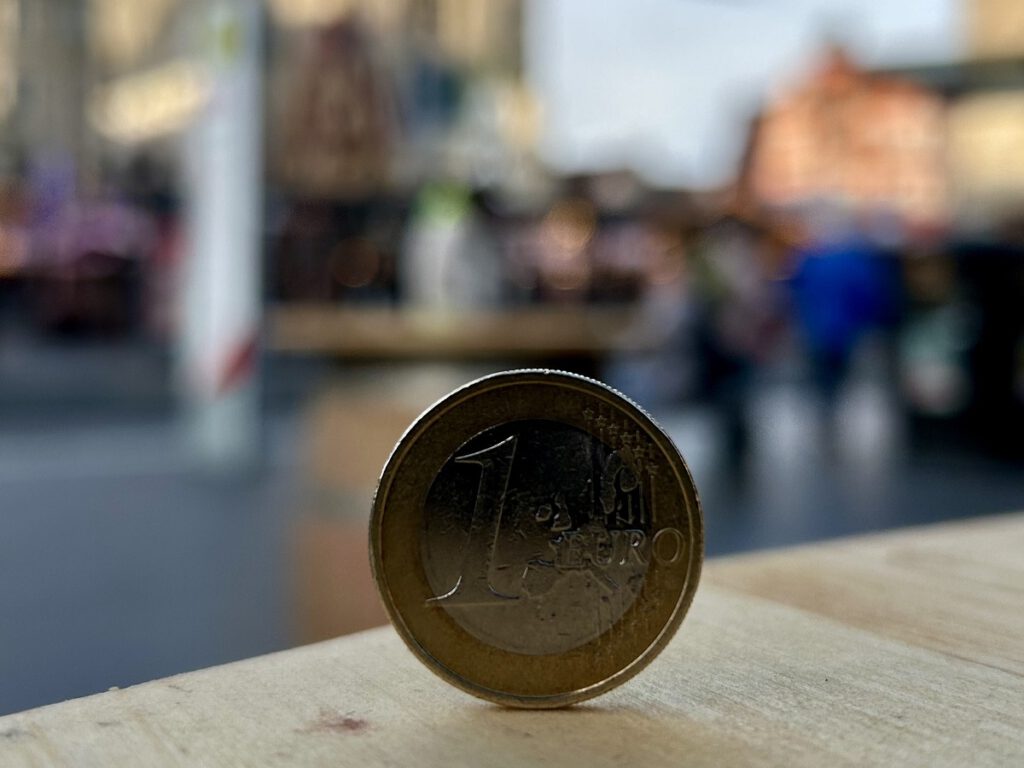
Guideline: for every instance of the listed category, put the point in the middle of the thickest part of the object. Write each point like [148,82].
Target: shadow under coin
[593,734]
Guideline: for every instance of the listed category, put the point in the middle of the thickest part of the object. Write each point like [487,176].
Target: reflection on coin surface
[536,538]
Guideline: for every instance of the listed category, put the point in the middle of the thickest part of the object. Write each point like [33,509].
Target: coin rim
[675,458]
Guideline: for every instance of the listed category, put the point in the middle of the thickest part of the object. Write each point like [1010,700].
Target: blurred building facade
[872,142]
[995,29]
[938,146]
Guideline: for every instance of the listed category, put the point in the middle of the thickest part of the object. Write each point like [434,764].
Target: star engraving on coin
[536,538]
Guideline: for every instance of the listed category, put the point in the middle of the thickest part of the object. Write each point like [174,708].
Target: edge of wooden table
[905,648]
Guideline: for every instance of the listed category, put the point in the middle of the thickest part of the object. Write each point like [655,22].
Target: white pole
[220,297]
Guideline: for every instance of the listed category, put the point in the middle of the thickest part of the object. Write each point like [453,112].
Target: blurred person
[935,337]
[450,257]
[85,257]
[628,241]
[564,249]
[842,290]
[738,319]
[662,329]
[148,187]
[13,241]
[625,249]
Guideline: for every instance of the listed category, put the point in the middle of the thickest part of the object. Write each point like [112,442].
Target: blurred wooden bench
[353,423]
[899,649]
[530,335]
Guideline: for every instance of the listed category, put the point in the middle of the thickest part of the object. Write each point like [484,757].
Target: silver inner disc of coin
[536,536]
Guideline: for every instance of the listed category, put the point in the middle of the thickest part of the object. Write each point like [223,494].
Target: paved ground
[120,561]
[114,574]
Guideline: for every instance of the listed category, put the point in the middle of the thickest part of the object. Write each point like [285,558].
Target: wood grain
[903,649]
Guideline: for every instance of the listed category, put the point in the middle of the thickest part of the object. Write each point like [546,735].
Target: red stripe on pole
[239,366]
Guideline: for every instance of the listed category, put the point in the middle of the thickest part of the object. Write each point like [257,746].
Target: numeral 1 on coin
[475,576]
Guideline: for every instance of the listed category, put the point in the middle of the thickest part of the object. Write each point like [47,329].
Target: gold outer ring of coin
[396,526]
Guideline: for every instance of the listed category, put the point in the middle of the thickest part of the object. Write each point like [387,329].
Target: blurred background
[243,245]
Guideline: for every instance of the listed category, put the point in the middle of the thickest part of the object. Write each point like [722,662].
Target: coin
[536,538]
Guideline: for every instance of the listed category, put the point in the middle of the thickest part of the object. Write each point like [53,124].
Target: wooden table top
[899,649]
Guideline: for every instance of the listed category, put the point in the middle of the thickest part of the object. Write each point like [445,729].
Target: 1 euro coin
[536,538]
